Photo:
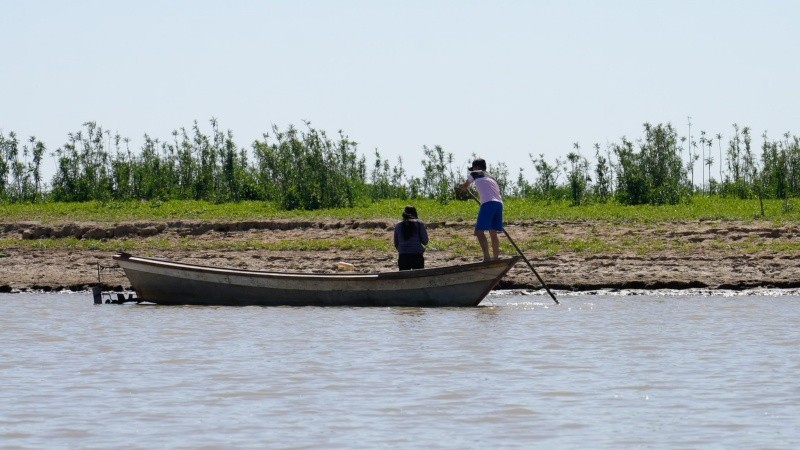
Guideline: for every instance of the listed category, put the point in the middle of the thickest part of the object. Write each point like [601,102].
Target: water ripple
[609,370]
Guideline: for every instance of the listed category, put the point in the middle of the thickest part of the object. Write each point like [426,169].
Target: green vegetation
[548,240]
[517,210]
[304,175]
[306,170]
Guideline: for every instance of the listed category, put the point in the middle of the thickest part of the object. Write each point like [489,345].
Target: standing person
[410,239]
[490,216]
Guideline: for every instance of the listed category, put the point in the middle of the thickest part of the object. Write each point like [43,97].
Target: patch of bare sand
[713,254]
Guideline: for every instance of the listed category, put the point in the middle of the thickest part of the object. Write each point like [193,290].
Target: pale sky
[502,79]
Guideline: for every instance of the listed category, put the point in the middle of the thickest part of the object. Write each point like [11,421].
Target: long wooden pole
[524,258]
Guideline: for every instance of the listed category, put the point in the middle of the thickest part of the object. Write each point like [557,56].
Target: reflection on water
[614,369]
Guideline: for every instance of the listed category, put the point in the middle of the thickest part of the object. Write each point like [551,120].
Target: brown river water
[602,370]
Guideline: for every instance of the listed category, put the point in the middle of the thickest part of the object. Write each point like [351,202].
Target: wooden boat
[174,283]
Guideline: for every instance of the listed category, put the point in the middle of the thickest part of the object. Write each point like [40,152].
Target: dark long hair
[410,221]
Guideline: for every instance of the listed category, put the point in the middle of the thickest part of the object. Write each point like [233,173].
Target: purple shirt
[415,243]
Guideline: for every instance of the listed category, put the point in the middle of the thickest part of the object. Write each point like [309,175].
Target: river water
[652,370]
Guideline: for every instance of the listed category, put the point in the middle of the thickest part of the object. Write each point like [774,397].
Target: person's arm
[423,234]
[396,237]
[463,186]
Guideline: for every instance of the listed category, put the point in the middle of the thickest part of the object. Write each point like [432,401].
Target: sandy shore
[679,255]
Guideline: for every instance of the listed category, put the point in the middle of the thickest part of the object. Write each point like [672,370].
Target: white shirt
[487,187]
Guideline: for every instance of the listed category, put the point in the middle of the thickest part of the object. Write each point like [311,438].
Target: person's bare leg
[481,235]
[495,244]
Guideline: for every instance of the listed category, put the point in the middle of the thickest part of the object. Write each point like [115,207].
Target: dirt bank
[733,255]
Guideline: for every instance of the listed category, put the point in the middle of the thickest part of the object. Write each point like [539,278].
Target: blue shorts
[490,217]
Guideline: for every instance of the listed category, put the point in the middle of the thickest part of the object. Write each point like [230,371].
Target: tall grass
[305,169]
[308,170]
[20,169]
[654,173]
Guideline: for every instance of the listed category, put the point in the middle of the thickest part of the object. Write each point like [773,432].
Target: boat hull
[173,283]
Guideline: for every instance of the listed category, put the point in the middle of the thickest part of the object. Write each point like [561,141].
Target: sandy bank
[733,255]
